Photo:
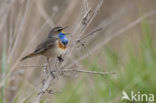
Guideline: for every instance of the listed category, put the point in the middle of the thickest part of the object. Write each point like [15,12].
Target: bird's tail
[28,56]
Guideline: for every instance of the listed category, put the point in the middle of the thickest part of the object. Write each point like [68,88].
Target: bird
[54,45]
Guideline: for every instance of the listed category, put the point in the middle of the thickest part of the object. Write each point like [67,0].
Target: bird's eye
[59,30]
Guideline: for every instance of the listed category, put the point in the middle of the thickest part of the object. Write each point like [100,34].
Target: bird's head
[56,30]
[59,33]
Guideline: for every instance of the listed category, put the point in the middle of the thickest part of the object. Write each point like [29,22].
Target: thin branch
[43,90]
[46,84]
[74,70]
[87,71]
[90,33]
[32,66]
[86,16]
[87,12]
[50,78]
[91,17]
[86,5]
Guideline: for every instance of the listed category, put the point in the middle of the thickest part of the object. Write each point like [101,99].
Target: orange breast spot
[60,45]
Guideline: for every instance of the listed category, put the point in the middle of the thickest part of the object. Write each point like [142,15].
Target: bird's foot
[60,59]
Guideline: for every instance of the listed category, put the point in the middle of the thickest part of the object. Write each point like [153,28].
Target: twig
[32,66]
[90,33]
[74,70]
[43,90]
[87,71]
[86,5]
[87,12]
[46,84]
[89,20]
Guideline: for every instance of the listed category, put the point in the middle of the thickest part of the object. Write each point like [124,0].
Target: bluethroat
[53,46]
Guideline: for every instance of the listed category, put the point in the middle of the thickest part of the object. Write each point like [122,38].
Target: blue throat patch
[63,38]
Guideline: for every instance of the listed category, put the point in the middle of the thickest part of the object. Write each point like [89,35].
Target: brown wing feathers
[28,56]
[45,45]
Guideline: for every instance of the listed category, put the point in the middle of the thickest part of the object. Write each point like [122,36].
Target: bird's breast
[61,48]
[56,51]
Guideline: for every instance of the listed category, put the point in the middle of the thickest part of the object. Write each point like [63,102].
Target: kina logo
[138,97]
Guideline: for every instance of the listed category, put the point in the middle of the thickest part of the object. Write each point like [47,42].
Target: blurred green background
[131,54]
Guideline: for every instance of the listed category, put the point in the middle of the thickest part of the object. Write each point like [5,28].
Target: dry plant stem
[50,78]
[44,88]
[87,12]
[87,71]
[89,34]
[33,66]
[76,70]
[89,18]
[86,4]
[46,84]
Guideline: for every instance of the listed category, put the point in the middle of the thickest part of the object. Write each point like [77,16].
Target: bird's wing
[48,43]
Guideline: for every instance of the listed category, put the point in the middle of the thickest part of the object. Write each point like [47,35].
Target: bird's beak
[63,29]
[63,32]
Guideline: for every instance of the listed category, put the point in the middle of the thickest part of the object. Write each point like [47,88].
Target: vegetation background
[131,54]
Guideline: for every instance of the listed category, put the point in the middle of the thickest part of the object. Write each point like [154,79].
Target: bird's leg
[60,58]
